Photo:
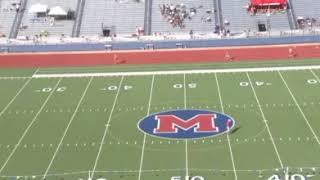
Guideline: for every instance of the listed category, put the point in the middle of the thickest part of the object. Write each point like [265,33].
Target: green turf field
[65,128]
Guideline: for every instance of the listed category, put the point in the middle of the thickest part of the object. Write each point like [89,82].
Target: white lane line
[67,128]
[302,113]
[168,72]
[29,126]
[185,107]
[106,129]
[145,135]
[230,148]
[14,98]
[265,121]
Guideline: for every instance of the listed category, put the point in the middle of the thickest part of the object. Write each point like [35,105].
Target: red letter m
[201,123]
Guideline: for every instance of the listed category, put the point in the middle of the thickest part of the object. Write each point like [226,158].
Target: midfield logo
[186,124]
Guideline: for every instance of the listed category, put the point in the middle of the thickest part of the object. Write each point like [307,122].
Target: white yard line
[185,91]
[315,75]
[187,161]
[36,71]
[106,129]
[185,107]
[228,138]
[298,106]
[14,98]
[145,135]
[29,126]
[18,93]
[265,121]
[168,72]
[67,128]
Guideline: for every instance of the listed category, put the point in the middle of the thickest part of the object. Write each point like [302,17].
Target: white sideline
[199,71]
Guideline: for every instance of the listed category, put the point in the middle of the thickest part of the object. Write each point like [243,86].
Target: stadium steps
[291,16]
[18,19]
[78,20]
[148,17]
[218,13]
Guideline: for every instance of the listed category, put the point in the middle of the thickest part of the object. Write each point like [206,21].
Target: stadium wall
[172,56]
[161,44]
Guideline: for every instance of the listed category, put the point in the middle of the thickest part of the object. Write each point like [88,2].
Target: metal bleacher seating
[32,25]
[197,23]
[7,15]
[307,8]
[235,13]
[123,15]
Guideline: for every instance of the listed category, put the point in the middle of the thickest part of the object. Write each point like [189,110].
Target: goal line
[177,72]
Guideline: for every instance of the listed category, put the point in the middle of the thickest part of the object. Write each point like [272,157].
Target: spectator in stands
[176,14]
[191,34]
[17,7]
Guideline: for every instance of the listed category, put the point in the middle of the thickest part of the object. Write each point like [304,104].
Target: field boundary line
[169,72]
[145,135]
[29,126]
[228,138]
[14,98]
[298,106]
[265,121]
[106,129]
[67,128]
[15,77]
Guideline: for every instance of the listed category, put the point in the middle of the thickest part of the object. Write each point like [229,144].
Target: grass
[73,128]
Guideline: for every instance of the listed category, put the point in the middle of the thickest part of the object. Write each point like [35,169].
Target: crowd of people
[177,14]
[307,22]
[11,7]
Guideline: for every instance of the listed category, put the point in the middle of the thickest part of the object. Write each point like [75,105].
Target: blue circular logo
[186,124]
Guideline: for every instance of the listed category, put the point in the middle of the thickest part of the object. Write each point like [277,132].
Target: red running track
[171,56]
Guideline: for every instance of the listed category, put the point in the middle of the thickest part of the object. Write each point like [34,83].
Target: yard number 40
[288,177]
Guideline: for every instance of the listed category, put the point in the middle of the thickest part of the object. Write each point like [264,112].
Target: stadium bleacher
[7,15]
[202,21]
[31,24]
[123,17]
[235,13]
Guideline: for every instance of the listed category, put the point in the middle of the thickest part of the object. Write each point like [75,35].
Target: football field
[82,123]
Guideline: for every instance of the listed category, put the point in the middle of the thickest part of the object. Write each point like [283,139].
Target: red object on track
[268,2]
